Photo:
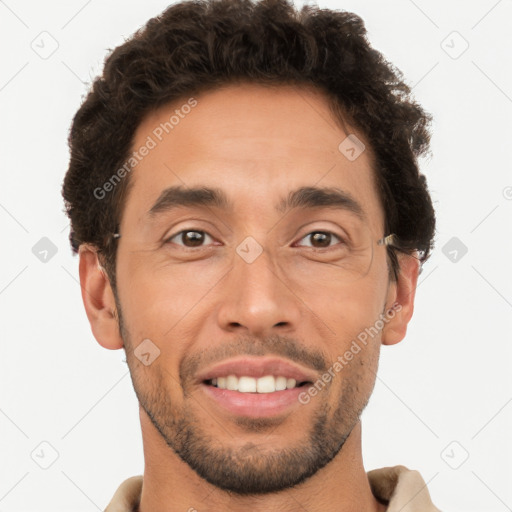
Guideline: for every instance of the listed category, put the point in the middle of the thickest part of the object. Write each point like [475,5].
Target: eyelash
[326,232]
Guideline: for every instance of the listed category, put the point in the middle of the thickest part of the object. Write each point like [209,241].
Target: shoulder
[400,486]
[127,496]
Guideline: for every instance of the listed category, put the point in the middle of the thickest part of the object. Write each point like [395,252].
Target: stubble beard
[249,468]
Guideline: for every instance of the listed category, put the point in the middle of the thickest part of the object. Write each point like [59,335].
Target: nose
[258,298]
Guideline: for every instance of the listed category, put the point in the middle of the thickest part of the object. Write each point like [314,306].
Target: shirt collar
[401,489]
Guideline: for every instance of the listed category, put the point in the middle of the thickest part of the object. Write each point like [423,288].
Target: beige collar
[402,489]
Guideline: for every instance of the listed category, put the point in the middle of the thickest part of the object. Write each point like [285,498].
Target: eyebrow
[304,197]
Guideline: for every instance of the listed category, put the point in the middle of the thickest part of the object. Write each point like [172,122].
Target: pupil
[196,238]
[322,237]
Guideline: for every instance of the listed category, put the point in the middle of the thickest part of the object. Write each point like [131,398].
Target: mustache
[275,345]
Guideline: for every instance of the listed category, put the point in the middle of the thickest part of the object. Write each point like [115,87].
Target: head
[234,122]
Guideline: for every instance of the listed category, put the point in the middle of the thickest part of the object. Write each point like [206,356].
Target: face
[247,303]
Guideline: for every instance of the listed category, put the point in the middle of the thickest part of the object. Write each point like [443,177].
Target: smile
[255,387]
[246,384]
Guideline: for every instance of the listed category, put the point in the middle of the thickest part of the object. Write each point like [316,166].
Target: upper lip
[257,367]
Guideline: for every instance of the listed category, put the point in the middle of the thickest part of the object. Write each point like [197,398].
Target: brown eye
[321,239]
[188,238]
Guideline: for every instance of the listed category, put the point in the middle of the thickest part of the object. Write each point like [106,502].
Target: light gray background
[443,394]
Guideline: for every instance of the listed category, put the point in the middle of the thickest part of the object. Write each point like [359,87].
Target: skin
[256,144]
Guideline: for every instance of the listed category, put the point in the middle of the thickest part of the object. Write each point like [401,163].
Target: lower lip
[254,405]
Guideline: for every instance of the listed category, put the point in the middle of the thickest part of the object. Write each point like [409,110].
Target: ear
[400,300]
[98,299]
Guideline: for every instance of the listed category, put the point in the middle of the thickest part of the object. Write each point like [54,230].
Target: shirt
[401,489]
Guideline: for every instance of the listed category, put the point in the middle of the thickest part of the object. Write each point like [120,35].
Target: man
[246,203]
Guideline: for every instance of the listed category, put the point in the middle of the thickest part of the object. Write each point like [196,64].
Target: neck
[170,485]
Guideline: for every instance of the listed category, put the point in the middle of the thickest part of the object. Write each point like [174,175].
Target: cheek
[350,310]
[355,366]
[158,307]
[354,347]
[157,293]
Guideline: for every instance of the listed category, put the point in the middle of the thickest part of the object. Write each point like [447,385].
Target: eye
[190,238]
[321,239]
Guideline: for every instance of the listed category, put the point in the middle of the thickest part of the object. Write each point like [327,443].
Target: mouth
[247,384]
[255,387]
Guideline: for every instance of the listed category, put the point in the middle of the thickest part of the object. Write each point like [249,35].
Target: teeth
[290,383]
[245,384]
[266,384]
[280,383]
[232,383]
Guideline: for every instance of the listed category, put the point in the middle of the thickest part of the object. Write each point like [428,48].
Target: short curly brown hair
[198,45]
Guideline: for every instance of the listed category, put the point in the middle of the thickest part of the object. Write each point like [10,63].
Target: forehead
[256,143]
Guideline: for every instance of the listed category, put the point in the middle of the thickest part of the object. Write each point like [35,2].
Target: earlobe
[98,299]
[400,303]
